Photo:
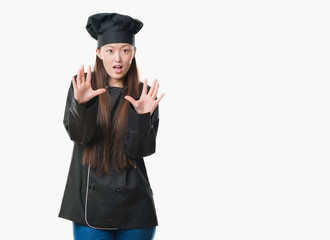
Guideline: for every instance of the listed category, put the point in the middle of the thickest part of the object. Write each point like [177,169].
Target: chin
[117,76]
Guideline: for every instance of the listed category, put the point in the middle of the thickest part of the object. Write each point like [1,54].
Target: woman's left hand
[147,102]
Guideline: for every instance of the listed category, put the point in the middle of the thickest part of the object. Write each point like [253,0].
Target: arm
[142,123]
[80,119]
[142,131]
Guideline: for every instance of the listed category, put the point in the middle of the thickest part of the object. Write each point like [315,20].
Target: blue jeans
[82,232]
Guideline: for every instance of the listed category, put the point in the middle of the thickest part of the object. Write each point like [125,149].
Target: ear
[134,52]
[133,55]
[98,52]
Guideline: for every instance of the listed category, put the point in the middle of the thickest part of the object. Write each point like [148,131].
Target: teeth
[117,67]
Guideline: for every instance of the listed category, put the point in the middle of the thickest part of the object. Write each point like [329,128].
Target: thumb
[100,91]
[130,99]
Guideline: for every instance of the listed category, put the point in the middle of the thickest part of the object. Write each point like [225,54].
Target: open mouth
[118,68]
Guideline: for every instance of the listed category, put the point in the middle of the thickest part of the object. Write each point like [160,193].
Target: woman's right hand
[83,91]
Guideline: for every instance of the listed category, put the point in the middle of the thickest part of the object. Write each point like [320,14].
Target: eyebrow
[108,46]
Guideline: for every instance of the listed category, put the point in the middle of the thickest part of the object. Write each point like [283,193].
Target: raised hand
[147,102]
[83,91]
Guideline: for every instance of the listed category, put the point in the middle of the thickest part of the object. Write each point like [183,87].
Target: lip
[118,70]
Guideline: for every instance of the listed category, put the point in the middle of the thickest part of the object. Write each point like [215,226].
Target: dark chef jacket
[119,200]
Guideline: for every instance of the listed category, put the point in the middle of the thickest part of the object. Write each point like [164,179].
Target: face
[117,58]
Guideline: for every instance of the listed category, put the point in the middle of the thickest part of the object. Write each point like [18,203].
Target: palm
[83,91]
[147,101]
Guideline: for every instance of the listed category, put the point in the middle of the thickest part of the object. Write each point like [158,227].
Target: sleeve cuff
[80,110]
[138,123]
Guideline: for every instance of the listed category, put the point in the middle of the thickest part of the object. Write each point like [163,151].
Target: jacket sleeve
[80,119]
[142,131]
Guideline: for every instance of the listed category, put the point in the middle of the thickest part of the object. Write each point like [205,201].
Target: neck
[115,82]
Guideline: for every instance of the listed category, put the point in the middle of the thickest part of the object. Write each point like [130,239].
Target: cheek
[107,63]
[106,60]
[128,60]
[108,67]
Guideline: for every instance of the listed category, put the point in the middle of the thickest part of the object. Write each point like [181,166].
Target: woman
[113,120]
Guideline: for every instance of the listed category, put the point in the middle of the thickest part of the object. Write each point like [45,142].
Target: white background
[243,141]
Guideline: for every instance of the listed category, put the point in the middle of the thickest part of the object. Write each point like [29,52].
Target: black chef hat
[113,28]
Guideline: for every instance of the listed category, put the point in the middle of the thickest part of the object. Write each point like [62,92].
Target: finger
[100,91]
[130,99]
[155,91]
[145,84]
[74,84]
[82,74]
[160,98]
[152,89]
[89,75]
[79,77]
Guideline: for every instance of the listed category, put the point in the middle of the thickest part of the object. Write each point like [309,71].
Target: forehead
[117,45]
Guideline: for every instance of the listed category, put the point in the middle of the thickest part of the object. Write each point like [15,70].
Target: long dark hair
[109,139]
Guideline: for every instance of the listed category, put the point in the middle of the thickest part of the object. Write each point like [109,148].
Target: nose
[117,56]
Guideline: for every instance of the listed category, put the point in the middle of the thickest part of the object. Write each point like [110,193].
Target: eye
[125,50]
[109,50]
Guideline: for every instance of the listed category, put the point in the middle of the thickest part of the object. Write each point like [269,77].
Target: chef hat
[113,28]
